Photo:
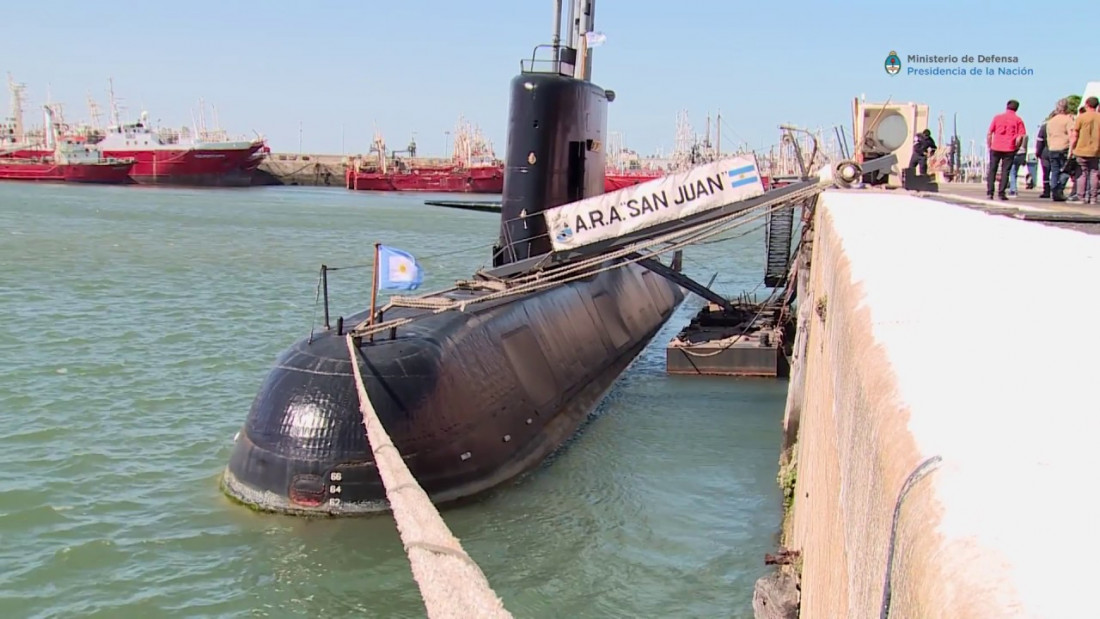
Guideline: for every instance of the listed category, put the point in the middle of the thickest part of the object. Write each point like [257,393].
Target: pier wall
[956,350]
[301,169]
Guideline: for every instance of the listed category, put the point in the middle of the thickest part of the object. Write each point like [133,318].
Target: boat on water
[102,171]
[474,396]
[72,160]
[485,178]
[472,168]
[160,156]
[172,159]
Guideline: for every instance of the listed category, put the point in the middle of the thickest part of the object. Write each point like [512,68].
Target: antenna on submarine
[582,21]
[556,41]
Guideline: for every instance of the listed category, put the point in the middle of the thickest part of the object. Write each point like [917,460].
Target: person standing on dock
[1085,144]
[1019,160]
[923,148]
[1005,135]
[1058,129]
[1043,154]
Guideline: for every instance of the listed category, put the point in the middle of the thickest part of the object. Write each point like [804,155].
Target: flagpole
[374,287]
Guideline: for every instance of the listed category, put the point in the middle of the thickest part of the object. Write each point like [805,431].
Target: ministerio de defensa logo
[893,63]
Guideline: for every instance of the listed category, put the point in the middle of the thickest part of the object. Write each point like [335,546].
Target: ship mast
[17,91]
[112,102]
[378,145]
[681,156]
[52,133]
[56,114]
[718,131]
[94,112]
[706,138]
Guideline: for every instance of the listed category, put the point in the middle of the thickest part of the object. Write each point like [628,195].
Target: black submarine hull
[471,399]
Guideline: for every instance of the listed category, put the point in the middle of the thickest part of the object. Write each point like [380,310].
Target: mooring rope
[451,584]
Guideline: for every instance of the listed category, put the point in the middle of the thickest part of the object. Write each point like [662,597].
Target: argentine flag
[740,177]
[398,270]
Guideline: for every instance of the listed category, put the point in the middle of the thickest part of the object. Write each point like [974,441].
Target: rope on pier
[451,584]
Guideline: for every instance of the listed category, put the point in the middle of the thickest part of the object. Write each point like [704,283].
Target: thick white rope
[451,584]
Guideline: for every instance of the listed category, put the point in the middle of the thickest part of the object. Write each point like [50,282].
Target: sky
[322,76]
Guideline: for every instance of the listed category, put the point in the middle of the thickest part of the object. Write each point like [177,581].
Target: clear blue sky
[415,65]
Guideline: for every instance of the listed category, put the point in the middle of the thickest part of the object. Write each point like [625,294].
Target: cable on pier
[451,584]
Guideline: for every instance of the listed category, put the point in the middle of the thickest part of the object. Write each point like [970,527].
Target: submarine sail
[471,398]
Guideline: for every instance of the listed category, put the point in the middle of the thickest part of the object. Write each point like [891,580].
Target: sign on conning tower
[654,202]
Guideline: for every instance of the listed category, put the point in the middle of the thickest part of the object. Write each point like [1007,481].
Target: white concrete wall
[971,337]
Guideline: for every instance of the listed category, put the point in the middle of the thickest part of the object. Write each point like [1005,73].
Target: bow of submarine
[470,398]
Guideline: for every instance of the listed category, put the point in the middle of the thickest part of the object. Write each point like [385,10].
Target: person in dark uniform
[1042,153]
[923,148]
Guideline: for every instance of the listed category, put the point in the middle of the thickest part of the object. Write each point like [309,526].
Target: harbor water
[138,324]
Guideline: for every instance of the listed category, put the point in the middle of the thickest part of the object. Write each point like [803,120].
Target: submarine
[475,396]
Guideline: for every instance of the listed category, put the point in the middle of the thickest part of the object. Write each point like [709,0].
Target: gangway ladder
[777,245]
[780,221]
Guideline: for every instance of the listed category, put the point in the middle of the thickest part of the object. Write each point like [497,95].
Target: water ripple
[142,322]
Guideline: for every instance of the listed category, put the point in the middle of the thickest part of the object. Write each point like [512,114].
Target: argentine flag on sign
[398,270]
[739,177]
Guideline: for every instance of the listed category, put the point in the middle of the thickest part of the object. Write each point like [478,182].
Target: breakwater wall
[941,415]
[302,169]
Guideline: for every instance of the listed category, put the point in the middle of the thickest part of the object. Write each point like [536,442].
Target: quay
[298,169]
[940,416]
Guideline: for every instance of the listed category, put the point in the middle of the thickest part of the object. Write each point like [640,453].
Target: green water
[137,325]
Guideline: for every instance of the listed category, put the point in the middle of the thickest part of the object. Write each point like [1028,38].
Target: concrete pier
[942,414]
[301,169]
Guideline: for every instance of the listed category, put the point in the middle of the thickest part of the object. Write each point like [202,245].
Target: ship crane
[410,149]
[17,97]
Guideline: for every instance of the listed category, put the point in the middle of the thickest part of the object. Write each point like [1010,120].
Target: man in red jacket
[1006,133]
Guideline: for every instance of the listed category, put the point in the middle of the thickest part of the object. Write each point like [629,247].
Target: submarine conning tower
[557,123]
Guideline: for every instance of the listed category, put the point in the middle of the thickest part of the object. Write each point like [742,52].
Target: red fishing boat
[160,156]
[108,172]
[72,160]
[168,158]
[472,168]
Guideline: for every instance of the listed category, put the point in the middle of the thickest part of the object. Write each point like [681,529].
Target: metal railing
[561,62]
